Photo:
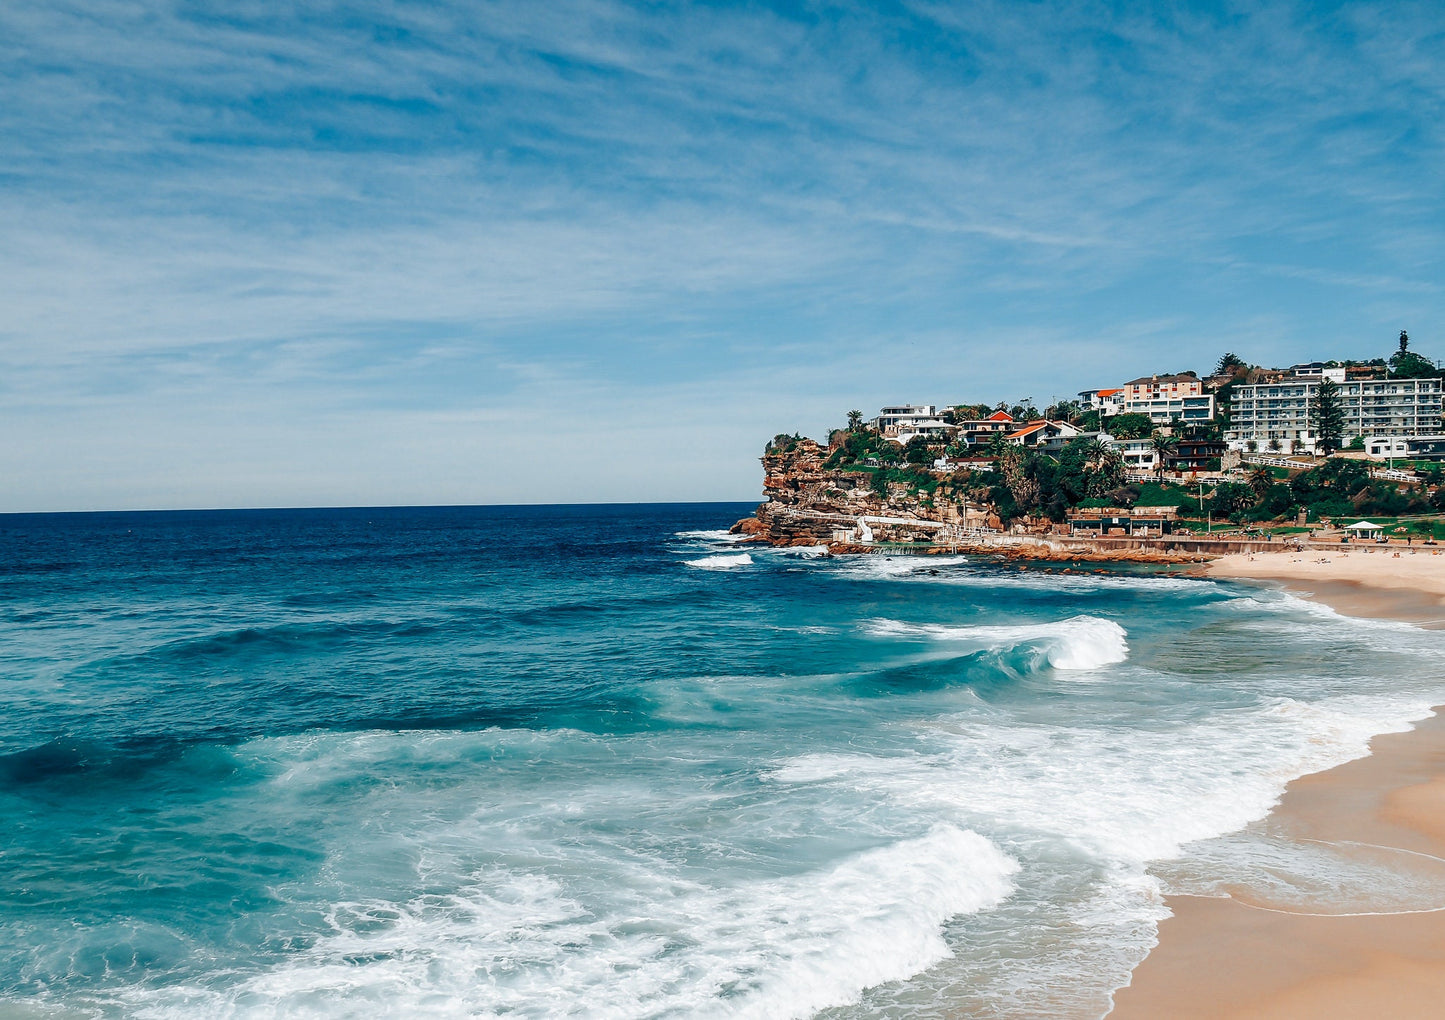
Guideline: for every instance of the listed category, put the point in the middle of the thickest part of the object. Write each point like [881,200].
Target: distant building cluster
[1263,410]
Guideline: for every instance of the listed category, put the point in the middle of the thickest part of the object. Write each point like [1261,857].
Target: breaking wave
[721,561]
[511,943]
[1080,643]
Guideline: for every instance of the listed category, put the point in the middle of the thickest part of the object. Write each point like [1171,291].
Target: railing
[1393,475]
[1279,462]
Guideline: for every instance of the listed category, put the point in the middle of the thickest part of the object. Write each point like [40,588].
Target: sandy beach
[1395,582]
[1229,957]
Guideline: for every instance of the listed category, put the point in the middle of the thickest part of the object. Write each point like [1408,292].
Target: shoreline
[1228,958]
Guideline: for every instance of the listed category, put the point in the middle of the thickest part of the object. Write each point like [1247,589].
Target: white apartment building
[889,418]
[1279,412]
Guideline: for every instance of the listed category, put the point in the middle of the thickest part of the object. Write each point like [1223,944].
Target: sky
[257,254]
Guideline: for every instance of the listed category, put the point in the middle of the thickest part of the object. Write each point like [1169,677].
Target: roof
[1364,526]
[1110,393]
[999,416]
[1149,379]
[1034,426]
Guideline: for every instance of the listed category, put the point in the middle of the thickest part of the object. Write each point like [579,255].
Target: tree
[1109,473]
[1230,498]
[1261,481]
[1229,363]
[1406,364]
[918,451]
[1064,410]
[855,420]
[1163,447]
[1130,426]
[1327,416]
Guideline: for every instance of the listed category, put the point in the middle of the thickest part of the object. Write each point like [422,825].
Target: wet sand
[1229,958]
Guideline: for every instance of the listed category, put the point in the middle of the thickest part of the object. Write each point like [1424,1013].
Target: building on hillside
[1106,402]
[1196,454]
[1138,455]
[1164,398]
[1038,433]
[1112,520]
[1406,447]
[891,419]
[932,429]
[1276,414]
[979,431]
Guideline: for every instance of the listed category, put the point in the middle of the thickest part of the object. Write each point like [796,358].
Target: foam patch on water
[717,535]
[722,561]
[511,943]
[1079,643]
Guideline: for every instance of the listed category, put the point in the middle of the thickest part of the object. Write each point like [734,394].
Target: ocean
[606,761]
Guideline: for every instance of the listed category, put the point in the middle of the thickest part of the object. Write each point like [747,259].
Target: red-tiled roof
[999,416]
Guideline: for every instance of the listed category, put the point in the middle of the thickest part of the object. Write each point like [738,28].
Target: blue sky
[590,251]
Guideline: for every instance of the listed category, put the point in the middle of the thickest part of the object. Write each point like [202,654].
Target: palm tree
[855,420]
[1261,481]
[1163,447]
[1108,472]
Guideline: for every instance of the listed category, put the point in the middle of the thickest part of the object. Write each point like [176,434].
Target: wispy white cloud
[370,226]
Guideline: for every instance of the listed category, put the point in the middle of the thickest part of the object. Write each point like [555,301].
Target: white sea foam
[807,552]
[510,943]
[1079,643]
[923,568]
[719,535]
[1132,798]
[721,561]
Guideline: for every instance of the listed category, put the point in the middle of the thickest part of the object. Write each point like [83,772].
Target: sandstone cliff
[810,503]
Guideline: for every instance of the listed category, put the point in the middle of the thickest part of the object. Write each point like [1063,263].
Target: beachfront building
[1275,415]
[1367,530]
[1113,520]
[1166,398]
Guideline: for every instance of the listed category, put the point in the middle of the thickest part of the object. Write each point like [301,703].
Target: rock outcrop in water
[812,503]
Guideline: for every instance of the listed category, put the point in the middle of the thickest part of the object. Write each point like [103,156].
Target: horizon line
[368,506]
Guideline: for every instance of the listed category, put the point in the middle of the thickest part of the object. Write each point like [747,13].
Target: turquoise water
[604,761]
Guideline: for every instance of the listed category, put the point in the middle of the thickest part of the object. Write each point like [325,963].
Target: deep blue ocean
[605,761]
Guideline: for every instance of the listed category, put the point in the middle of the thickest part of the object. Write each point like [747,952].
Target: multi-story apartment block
[1276,414]
[1167,397]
